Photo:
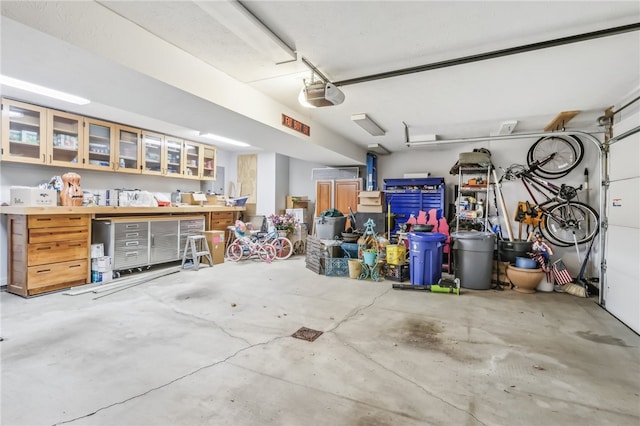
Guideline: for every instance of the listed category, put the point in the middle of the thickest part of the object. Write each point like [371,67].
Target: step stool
[198,246]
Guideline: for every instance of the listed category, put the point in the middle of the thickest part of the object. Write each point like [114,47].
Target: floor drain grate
[305,333]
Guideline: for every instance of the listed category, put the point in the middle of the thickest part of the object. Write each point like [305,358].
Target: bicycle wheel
[266,253]
[569,151]
[283,248]
[234,251]
[562,221]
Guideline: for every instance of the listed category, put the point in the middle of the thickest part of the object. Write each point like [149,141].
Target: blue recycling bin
[425,251]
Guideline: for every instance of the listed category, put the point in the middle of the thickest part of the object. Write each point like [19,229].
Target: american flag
[560,273]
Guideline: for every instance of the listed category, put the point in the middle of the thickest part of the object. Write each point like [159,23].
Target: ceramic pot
[525,280]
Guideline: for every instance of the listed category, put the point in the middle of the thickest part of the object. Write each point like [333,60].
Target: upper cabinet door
[65,139]
[128,140]
[174,156]
[208,163]
[23,132]
[99,143]
[154,154]
[192,160]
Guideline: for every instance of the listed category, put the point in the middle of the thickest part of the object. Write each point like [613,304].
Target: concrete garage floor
[213,347]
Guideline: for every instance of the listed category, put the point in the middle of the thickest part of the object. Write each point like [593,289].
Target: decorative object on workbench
[71,194]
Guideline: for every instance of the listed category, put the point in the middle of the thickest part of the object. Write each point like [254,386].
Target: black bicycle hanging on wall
[561,220]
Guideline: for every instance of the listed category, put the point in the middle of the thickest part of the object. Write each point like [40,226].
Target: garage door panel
[624,203]
[622,293]
[625,155]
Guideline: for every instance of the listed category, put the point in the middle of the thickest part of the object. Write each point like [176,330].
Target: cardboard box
[216,242]
[102,264]
[97,250]
[194,198]
[370,198]
[25,196]
[297,202]
[364,208]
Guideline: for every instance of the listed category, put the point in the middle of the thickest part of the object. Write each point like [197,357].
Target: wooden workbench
[49,248]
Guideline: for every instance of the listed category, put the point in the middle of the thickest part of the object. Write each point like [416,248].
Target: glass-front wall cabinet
[154,153]
[23,132]
[99,137]
[65,131]
[128,149]
[208,163]
[192,160]
[174,155]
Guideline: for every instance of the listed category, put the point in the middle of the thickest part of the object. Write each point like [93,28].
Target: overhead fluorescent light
[41,90]
[246,26]
[223,139]
[423,138]
[367,124]
[376,148]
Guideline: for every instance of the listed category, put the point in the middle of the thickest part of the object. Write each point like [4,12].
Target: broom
[573,288]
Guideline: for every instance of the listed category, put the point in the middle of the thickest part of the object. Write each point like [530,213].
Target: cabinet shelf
[25,144]
[64,148]
[102,154]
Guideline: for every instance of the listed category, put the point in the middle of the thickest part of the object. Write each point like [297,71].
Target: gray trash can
[473,258]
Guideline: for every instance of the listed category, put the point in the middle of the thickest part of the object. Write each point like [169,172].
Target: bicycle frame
[565,222]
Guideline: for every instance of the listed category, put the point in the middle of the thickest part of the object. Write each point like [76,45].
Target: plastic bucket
[425,251]
[369,257]
[509,250]
[473,258]
[396,254]
[330,228]
[354,268]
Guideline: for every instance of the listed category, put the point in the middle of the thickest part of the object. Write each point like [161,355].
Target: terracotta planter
[524,280]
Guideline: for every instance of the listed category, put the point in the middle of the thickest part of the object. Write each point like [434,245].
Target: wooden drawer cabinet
[46,277]
[44,253]
[219,221]
[48,253]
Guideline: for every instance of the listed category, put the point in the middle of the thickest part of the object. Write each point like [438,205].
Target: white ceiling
[52,43]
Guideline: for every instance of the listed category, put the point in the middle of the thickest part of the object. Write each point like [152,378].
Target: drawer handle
[132,243]
[132,226]
[43,219]
[75,218]
[44,248]
[75,266]
[75,245]
[131,253]
[193,226]
[132,234]
[43,271]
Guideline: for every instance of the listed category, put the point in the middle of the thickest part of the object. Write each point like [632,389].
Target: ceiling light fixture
[246,26]
[41,90]
[376,148]
[223,139]
[367,124]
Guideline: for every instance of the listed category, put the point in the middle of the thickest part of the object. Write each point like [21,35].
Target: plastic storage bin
[472,258]
[330,228]
[425,250]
